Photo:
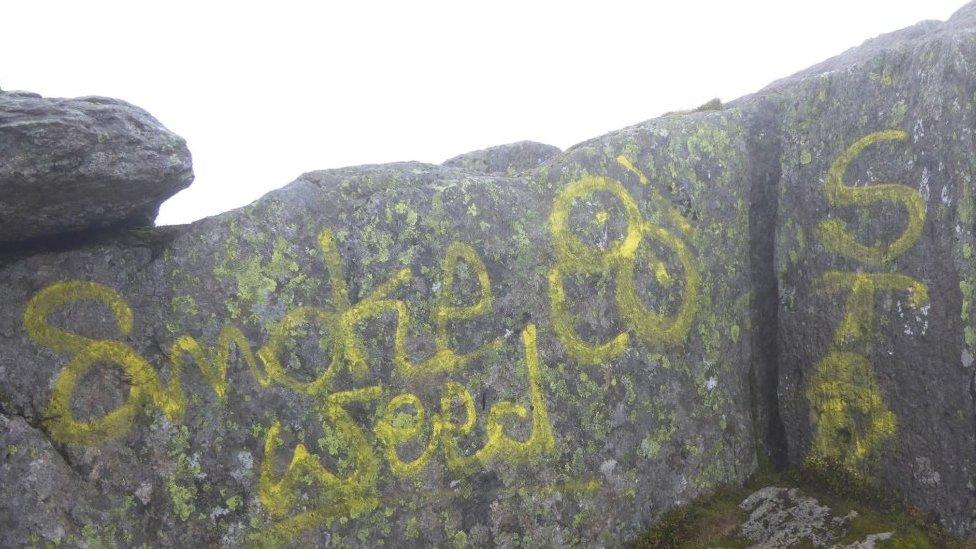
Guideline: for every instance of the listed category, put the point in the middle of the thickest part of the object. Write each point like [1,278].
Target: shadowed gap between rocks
[764,151]
[154,238]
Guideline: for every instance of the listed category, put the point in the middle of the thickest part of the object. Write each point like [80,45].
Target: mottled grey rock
[516,350]
[46,494]
[869,542]
[875,264]
[509,159]
[577,339]
[69,165]
[783,517]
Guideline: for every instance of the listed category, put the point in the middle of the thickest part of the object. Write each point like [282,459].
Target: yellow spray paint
[847,407]
[859,312]
[144,384]
[835,235]
[283,495]
[337,496]
[842,389]
[575,257]
[354,494]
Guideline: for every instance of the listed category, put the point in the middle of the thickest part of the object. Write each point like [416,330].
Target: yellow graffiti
[851,417]
[270,353]
[445,431]
[285,496]
[340,324]
[673,214]
[834,233]
[354,494]
[392,435]
[59,294]
[859,312]
[446,359]
[574,256]
[144,385]
[499,444]
[338,496]
[213,363]
[847,407]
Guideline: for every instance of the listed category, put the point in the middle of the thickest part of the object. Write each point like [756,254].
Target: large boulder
[402,354]
[71,165]
[875,264]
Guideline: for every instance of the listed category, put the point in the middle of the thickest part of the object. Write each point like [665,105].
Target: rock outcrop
[521,346]
[78,165]
[509,159]
[875,265]
[405,354]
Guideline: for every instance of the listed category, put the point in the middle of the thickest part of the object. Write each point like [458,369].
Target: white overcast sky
[265,92]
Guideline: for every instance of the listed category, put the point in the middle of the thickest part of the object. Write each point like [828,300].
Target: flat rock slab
[70,165]
[785,517]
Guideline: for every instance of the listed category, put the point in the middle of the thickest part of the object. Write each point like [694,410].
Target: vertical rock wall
[874,258]
[397,355]
[521,347]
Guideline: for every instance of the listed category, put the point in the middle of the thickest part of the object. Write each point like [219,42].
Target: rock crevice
[765,150]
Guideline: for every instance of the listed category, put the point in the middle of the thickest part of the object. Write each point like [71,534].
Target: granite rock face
[509,159]
[401,354]
[875,264]
[521,346]
[71,165]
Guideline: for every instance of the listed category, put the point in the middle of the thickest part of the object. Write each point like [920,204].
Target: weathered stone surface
[509,159]
[47,492]
[875,264]
[518,347]
[69,165]
[594,315]
[783,517]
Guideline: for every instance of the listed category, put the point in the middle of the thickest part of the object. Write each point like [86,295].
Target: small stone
[783,517]
[144,492]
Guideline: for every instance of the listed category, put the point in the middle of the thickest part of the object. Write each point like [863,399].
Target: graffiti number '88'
[573,256]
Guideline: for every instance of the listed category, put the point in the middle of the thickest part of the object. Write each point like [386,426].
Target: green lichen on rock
[549,348]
